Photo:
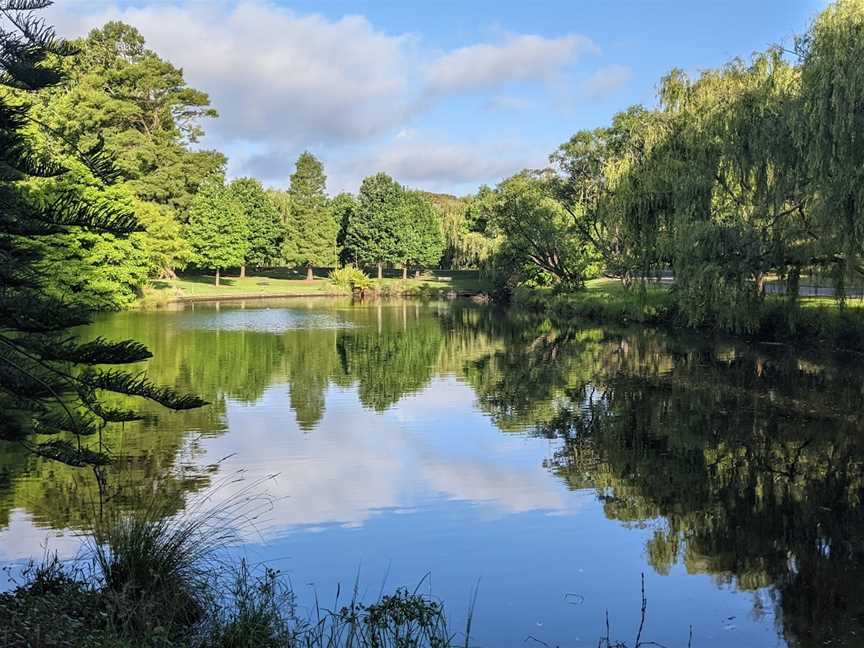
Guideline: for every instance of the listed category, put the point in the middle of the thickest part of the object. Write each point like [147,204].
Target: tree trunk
[417,273]
[217,276]
[242,271]
[309,275]
[404,273]
[380,271]
[793,283]
[760,284]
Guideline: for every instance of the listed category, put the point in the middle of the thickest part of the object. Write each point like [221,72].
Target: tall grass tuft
[403,619]
[161,571]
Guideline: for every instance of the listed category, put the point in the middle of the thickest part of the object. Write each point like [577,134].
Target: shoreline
[812,322]
[207,298]
[435,293]
[278,284]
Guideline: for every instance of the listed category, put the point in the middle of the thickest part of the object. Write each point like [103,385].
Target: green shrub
[350,278]
[54,607]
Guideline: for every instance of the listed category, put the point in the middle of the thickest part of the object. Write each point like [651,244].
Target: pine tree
[311,227]
[217,230]
[266,233]
[49,382]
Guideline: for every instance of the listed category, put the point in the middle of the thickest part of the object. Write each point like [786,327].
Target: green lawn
[855,304]
[282,282]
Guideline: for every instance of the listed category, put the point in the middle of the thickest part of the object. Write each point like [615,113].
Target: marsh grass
[259,611]
[603,300]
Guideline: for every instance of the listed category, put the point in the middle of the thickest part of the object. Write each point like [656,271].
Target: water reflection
[737,462]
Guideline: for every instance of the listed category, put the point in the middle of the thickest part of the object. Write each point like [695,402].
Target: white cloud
[399,466]
[275,74]
[24,539]
[436,165]
[343,88]
[606,81]
[519,58]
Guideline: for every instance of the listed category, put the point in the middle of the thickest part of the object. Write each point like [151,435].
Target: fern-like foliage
[52,385]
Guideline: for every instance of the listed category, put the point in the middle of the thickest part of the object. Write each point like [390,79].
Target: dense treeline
[749,172]
[138,108]
[58,198]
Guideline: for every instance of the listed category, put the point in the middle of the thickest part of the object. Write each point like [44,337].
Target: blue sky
[443,95]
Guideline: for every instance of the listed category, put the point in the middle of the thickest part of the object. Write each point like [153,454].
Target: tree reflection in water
[748,458]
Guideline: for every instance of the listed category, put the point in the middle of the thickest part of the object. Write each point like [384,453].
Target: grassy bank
[812,320]
[286,283]
[602,300]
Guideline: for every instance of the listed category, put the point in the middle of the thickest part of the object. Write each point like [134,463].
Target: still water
[459,446]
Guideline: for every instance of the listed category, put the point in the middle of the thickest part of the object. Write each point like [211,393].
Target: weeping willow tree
[831,132]
[716,195]
[751,170]
[54,391]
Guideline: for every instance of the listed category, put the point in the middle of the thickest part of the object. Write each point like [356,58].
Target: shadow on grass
[208,280]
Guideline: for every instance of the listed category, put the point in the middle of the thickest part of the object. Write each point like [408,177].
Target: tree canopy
[119,95]
[140,105]
[217,229]
[264,226]
[374,232]
[747,171]
[541,241]
[422,240]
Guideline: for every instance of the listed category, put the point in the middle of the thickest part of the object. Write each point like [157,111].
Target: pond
[455,446]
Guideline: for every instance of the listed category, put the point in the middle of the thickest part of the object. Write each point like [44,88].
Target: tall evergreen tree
[312,229]
[375,231]
[266,233]
[50,383]
[217,230]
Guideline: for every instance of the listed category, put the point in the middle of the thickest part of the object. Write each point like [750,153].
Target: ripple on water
[263,320]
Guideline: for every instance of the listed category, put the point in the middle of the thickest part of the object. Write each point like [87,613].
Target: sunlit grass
[821,320]
[288,284]
[602,299]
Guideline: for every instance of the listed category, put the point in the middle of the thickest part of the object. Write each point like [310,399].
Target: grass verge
[602,300]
